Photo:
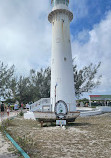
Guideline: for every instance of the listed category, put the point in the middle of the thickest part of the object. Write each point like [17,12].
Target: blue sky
[88,13]
[25,36]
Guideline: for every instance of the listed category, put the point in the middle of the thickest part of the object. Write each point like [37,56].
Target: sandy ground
[5,144]
[88,137]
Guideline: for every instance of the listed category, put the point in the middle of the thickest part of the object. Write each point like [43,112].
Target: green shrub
[11,107]
[21,113]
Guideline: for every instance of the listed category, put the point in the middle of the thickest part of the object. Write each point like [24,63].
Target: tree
[13,87]
[37,85]
[6,74]
[21,89]
[23,93]
[86,79]
[40,83]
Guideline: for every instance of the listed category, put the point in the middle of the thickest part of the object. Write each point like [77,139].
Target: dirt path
[5,144]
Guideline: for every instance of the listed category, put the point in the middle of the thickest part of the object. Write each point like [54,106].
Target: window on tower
[65,58]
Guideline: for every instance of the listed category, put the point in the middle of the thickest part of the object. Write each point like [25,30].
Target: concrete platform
[50,116]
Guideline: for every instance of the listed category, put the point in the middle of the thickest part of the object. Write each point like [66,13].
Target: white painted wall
[61,60]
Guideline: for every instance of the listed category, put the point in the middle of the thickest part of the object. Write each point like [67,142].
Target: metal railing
[42,102]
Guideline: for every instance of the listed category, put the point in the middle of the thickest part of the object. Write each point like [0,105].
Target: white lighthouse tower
[62,78]
[61,105]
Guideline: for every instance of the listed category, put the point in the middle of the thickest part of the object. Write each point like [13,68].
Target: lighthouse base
[51,117]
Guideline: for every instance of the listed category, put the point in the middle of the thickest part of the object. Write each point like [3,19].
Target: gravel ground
[88,137]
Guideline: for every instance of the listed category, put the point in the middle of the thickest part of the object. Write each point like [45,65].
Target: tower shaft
[62,79]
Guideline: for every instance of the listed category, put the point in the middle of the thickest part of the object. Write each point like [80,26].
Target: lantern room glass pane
[54,2]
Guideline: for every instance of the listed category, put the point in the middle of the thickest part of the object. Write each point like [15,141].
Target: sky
[25,36]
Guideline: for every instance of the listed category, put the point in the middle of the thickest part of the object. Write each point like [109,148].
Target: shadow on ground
[71,124]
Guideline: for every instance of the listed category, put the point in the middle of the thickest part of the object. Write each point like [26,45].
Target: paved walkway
[5,144]
[5,116]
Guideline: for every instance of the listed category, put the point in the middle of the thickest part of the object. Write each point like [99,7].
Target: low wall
[29,115]
[91,113]
[83,112]
[96,111]
[104,108]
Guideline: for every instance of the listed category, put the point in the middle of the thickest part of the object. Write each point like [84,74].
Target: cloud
[25,37]
[97,48]
[25,34]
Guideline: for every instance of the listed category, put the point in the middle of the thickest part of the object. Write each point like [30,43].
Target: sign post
[61,122]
